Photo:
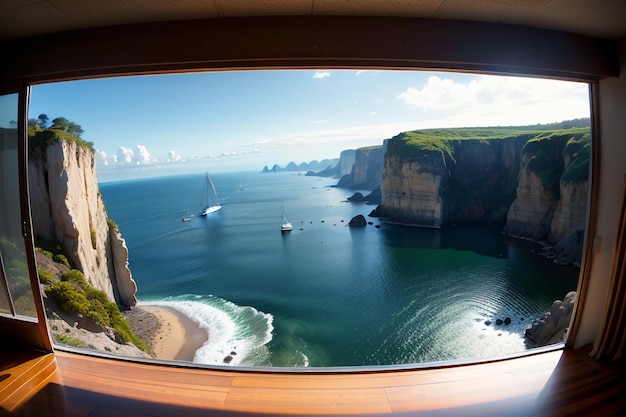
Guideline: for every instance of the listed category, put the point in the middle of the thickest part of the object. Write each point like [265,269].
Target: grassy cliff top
[554,154]
[420,142]
[47,137]
[368,149]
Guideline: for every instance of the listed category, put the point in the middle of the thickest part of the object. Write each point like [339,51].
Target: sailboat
[185,217]
[210,191]
[286,226]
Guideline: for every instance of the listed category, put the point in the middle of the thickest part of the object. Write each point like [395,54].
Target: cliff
[66,207]
[367,170]
[532,182]
[551,196]
[347,159]
[434,179]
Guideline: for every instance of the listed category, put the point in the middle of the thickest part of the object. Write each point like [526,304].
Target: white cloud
[101,158]
[319,75]
[493,100]
[128,157]
[125,156]
[142,157]
[173,156]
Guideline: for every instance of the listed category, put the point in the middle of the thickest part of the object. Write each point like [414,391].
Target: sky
[244,120]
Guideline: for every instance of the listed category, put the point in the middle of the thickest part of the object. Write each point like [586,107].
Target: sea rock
[358,221]
[356,198]
[552,326]
[375,197]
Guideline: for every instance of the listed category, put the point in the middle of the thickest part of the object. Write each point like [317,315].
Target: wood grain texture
[557,383]
[309,42]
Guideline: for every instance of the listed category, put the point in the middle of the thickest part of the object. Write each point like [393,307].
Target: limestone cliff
[551,197]
[67,207]
[346,161]
[533,182]
[367,170]
[447,181]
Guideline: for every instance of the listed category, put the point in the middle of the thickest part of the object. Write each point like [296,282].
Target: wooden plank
[308,401]
[552,383]
[25,380]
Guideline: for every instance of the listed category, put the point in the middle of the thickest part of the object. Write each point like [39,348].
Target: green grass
[52,249]
[367,149]
[112,225]
[547,151]
[70,341]
[74,295]
[435,149]
[47,137]
[578,150]
[46,276]
[94,240]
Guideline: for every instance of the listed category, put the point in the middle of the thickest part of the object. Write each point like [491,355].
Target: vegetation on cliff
[41,135]
[73,296]
[548,152]
[548,148]
[577,151]
[529,179]
[435,149]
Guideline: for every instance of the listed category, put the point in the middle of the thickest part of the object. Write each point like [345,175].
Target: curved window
[309,218]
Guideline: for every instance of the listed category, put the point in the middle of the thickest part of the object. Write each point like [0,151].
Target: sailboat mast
[212,187]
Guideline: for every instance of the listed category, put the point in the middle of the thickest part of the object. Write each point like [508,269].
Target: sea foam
[238,335]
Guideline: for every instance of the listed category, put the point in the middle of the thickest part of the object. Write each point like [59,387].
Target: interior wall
[611,115]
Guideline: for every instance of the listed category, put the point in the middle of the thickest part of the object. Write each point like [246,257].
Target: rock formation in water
[323,167]
[357,198]
[552,327]
[66,207]
[358,221]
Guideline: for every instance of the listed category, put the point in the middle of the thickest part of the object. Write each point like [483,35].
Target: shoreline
[177,337]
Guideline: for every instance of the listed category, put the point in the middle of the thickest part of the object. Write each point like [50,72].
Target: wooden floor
[557,383]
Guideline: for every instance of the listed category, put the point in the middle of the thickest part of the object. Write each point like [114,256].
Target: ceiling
[24,18]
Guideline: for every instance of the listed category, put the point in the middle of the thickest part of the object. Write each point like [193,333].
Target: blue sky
[244,120]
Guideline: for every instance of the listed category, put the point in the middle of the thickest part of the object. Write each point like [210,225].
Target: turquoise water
[326,294]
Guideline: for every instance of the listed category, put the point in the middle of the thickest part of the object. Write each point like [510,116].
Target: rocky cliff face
[534,184]
[346,161]
[551,198]
[460,181]
[67,207]
[367,170]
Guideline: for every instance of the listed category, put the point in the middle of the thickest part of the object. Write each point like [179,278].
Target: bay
[326,294]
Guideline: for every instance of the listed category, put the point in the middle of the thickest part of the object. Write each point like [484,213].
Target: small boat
[286,226]
[211,195]
[185,218]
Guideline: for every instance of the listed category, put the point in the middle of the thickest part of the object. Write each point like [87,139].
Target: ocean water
[326,294]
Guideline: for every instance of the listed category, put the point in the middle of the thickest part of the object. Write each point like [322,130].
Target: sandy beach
[177,337]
